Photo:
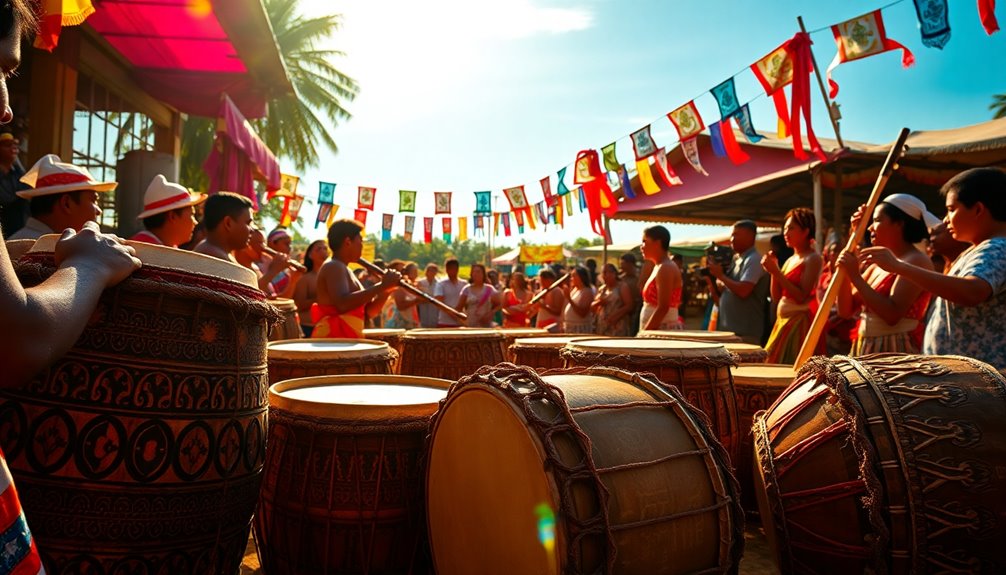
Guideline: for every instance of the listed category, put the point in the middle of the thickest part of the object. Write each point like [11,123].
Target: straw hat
[913,207]
[163,196]
[50,176]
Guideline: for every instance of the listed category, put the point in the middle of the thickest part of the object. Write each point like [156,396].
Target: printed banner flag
[519,218]
[933,22]
[428,230]
[687,121]
[582,198]
[326,193]
[541,213]
[462,229]
[479,225]
[447,230]
[624,182]
[725,133]
[365,198]
[360,216]
[442,201]
[551,217]
[516,197]
[326,210]
[505,216]
[406,201]
[791,63]
[496,223]
[541,254]
[410,224]
[291,210]
[546,190]
[287,187]
[862,37]
[726,97]
[775,71]
[560,186]
[664,169]
[690,148]
[595,189]
[743,119]
[610,159]
[643,144]
[386,222]
[483,202]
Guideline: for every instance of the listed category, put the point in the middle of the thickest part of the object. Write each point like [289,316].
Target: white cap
[913,207]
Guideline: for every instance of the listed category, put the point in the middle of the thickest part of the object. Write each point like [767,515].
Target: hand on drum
[882,258]
[104,253]
[848,261]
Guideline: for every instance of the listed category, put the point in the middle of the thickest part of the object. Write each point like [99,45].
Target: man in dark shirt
[13,210]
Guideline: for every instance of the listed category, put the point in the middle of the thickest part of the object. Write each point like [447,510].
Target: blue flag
[326,193]
[743,118]
[561,188]
[933,22]
[716,139]
[726,97]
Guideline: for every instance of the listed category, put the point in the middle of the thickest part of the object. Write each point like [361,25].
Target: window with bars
[105,127]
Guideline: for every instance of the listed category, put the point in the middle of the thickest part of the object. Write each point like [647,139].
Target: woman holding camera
[662,290]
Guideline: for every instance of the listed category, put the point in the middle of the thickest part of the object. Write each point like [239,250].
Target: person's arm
[554,301]
[968,290]
[404,300]
[889,308]
[300,294]
[771,266]
[804,290]
[40,324]
[341,292]
[664,288]
[626,296]
[581,309]
[276,265]
[739,287]
[291,286]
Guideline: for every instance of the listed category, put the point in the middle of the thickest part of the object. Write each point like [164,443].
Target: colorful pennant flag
[665,170]
[560,186]
[326,197]
[54,15]
[934,23]
[442,201]
[645,176]
[582,199]
[986,11]
[386,222]
[541,213]
[483,202]
[365,198]
[546,190]
[518,202]
[861,37]
[643,144]
[551,215]
[519,218]
[291,210]
[723,132]
[687,121]
[462,229]
[775,71]
[287,187]
[406,201]
[569,205]
[360,216]
[690,148]
[447,230]
[428,230]
[496,223]
[595,189]
[324,211]
[610,158]
[624,182]
[505,217]
[410,224]
[743,119]
[479,225]
[726,97]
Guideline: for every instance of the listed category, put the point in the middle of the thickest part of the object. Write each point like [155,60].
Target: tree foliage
[998,106]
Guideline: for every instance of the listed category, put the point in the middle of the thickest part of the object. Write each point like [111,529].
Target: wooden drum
[886,463]
[598,471]
[294,358]
[392,337]
[700,370]
[343,484]
[510,335]
[141,450]
[450,353]
[757,387]
[290,328]
[747,352]
[541,353]
[692,335]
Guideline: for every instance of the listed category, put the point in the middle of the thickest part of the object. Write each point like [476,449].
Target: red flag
[505,216]
[428,230]
[546,190]
[596,191]
[987,13]
[734,151]
[360,216]
[862,37]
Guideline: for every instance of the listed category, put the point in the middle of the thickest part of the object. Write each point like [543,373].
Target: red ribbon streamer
[799,50]
[987,13]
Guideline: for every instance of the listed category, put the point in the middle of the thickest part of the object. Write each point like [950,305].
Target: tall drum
[392,337]
[510,335]
[290,328]
[141,450]
[887,463]
[294,358]
[343,483]
[450,353]
[599,471]
[700,370]
[541,353]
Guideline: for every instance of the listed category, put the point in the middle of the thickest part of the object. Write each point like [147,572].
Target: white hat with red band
[50,176]
[163,196]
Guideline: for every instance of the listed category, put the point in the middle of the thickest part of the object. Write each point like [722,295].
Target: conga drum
[747,352]
[886,463]
[692,335]
[295,358]
[392,337]
[541,353]
[590,471]
[290,328]
[510,335]
[343,484]
[449,353]
[757,387]
[141,450]
[700,370]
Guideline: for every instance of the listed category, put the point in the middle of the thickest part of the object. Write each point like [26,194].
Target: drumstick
[542,293]
[295,265]
[413,289]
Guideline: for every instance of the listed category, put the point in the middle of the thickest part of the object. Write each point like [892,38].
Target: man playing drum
[343,303]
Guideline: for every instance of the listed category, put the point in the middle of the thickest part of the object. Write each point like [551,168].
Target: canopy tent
[773,181]
[189,53]
[239,157]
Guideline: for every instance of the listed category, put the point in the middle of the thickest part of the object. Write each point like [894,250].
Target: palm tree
[293,127]
[998,106]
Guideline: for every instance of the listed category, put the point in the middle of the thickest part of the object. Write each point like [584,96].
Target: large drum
[450,353]
[392,337]
[17,248]
[141,450]
[887,463]
[596,471]
[343,483]
[290,328]
[510,335]
[692,335]
[541,353]
[747,352]
[757,386]
[700,370]
[294,358]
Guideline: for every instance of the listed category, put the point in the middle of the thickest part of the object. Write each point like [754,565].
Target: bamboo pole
[824,94]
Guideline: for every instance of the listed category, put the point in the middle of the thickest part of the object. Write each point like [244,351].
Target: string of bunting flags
[597,176]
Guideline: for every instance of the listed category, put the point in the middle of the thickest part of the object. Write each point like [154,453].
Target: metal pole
[824,94]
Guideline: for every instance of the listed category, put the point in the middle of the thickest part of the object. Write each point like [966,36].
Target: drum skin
[290,328]
[692,335]
[141,450]
[343,483]
[577,472]
[450,353]
[296,358]
[886,463]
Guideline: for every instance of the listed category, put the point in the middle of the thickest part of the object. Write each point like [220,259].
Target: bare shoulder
[919,259]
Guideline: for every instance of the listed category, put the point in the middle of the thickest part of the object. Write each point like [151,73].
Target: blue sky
[463,96]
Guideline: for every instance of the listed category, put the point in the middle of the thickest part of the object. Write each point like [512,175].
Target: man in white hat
[62,196]
[168,213]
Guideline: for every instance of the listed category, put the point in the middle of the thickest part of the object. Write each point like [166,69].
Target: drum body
[700,370]
[541,353]
[392,337]
[141,450]
[747,352]
[526,476]
[757,387]
[510,335]
[290,328]
[450,353]
[692,335]
[343,482]
[295,358]
[887,463]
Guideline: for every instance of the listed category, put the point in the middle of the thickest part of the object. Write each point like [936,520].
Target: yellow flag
[462,229]
[650,187]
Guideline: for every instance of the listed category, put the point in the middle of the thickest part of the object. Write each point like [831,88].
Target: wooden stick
[831,295]
[824,94]
[413,289]
[291,263]
[542,293]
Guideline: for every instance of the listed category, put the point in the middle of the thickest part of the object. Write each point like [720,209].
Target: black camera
[719,254]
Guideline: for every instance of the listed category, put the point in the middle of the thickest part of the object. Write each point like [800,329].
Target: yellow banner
[369,253]
[541,254]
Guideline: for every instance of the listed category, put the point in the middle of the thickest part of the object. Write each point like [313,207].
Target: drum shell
[450,354]
[748,353]
[141,449]
[540,353]
[392,337]
[898,469]
[290,327]
[344,495]
[511,334]
[283,366]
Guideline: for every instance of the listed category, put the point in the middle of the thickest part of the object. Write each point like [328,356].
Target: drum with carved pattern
[541,353]
[343,483]
[886,463]
[141,450]
[450,353]
[510,335]
[390,336]
[290,328]
[295,358]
